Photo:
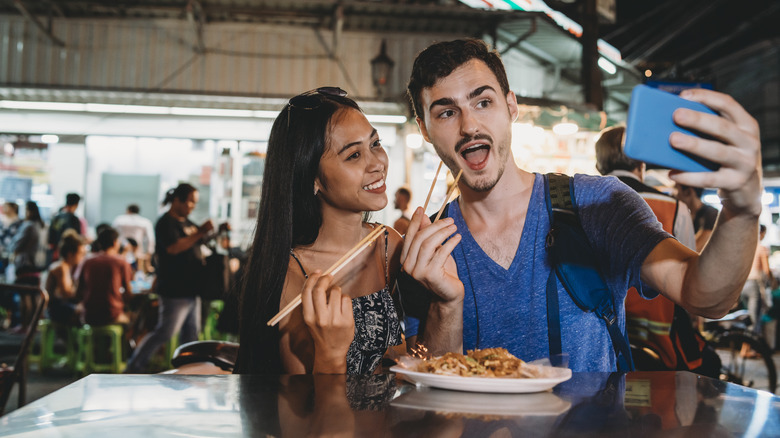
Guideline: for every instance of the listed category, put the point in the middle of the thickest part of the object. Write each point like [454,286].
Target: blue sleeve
[411,326]
[621,227]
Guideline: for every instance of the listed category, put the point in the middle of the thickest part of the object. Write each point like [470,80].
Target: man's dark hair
[107,237]
[72,199]
[13,206]
[441,59]
[404,191]
[134,208]
[609,152]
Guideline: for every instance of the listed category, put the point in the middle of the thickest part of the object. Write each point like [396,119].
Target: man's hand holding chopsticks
[328,316]
[426,256]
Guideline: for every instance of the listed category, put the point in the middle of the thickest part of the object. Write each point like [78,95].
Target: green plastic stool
[210,332]
[46,357]
[88,338]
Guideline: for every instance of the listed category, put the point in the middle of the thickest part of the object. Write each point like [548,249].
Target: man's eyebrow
[356,143]
[479,91]
[444,101]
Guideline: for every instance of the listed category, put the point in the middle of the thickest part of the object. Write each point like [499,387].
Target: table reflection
[638,405]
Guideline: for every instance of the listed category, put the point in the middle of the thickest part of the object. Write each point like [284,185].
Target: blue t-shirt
[508,307]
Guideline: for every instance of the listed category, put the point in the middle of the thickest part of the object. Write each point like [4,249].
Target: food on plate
[489,362]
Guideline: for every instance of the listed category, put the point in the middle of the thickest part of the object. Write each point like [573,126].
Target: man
[487,265]
[402,198]
[132,225]
[657,323]
[103,279]
[704,216]
[66,219]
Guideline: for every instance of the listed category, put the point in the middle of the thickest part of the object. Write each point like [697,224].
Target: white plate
[485,384]
[538,404]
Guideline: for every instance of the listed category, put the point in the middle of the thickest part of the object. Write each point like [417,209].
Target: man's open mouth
[476,154]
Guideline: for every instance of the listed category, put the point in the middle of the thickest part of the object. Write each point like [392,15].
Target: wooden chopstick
[449,194]
[433,184]
[335,268]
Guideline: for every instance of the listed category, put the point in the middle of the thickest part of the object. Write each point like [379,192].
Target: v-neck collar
[468,238]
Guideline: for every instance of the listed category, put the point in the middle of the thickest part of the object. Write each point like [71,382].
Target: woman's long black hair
[289,215]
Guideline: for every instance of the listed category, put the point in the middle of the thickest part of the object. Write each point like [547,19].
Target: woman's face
[354,166]
[76,258]
[184,208]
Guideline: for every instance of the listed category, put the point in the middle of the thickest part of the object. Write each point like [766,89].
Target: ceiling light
[50,139]
[607,66]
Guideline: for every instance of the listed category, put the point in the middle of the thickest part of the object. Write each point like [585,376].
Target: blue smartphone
[649,125]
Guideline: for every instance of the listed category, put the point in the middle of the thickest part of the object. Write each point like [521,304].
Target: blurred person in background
[756,295]
[104,283]
[8,228]
[24,250]
[65,219]
[403,198]
[178,249]
[131,225]
[325,167]
[61,284]
[704,216]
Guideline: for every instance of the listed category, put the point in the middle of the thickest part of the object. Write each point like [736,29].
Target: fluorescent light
[265,114]
[50,139]
[163,110]
[210,112]
[42,106]
[607,66]
[565,128]
[375,118]
[130,109]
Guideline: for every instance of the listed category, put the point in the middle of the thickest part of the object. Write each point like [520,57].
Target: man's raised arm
[710,283]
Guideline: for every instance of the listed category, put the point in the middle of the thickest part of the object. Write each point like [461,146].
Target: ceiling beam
[31,18]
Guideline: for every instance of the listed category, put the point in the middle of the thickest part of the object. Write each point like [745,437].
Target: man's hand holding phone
[734,144]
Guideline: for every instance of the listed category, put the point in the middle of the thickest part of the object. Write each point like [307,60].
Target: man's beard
[482,185]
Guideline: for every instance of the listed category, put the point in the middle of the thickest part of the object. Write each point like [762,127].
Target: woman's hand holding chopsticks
[333,270]
[329,319]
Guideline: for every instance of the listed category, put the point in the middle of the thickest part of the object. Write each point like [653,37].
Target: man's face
[683,194]
[469,122]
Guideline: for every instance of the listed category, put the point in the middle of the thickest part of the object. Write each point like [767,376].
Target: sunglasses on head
[312,99]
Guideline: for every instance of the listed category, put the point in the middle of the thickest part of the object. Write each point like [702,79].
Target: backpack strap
[574,266]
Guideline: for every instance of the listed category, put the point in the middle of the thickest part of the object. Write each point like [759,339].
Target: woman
[59,283]
[325,167]
[25,246]
[178,241]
